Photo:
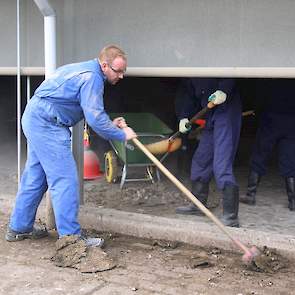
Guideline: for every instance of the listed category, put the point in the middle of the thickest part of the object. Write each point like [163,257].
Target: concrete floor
[269,215]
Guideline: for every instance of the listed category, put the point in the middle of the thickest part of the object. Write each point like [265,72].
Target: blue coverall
[73,92]
[219,141]
[277,126]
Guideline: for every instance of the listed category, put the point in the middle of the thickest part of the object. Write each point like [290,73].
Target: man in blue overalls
[277,121]
[216,151]
[73,92]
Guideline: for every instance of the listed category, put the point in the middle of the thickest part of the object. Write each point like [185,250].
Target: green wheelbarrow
[126,155]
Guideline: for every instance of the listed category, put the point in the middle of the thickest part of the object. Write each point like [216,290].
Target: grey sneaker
[36,233]
[93,242]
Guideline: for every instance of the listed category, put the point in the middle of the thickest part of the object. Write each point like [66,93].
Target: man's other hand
[184,125]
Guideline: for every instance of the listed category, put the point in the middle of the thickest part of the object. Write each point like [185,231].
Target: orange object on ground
[91,161]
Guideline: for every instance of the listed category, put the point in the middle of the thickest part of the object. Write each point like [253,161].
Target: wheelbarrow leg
[158,174]
[124,173]
[150,173]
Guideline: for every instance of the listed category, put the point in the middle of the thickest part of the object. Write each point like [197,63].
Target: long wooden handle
[188,194]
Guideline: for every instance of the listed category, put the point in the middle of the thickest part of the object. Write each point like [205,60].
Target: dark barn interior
[144,94]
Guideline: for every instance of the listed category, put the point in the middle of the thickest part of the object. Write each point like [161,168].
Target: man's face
[115,71]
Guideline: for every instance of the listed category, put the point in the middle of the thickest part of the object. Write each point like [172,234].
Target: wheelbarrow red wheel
[111,167]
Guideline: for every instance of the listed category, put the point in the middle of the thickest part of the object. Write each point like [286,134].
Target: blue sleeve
[91,97]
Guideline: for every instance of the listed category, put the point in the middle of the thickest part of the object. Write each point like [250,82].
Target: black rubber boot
[253,181]
[200,190]
[230,206]
[290,187]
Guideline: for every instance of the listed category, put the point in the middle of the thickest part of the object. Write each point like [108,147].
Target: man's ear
[103,66]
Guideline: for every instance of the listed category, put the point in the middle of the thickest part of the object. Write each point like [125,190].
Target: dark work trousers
[275,129]
[218,145]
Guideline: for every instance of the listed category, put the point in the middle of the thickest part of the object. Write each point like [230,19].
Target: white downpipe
[49,35]
[49,44]
[28,88]
[50,65]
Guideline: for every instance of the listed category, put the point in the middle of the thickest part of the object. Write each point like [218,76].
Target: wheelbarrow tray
[149,129]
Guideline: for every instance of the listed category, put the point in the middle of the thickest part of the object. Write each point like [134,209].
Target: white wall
[158,33]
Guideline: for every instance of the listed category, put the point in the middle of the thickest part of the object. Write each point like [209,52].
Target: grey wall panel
[32,38]
[31,33]
[8,33]
[158,33]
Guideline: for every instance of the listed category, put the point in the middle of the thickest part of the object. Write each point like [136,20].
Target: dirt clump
[268,261]
[96,260]
[71,251]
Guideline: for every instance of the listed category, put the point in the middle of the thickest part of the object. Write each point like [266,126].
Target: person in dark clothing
[276,126]
[216,151]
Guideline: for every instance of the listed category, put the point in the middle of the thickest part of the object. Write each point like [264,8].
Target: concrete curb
[187,230]
[182,230]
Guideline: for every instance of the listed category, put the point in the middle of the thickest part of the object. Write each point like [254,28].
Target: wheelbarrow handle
[197,116]
[188,194]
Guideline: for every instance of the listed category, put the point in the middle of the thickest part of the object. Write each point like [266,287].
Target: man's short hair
[110,52]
